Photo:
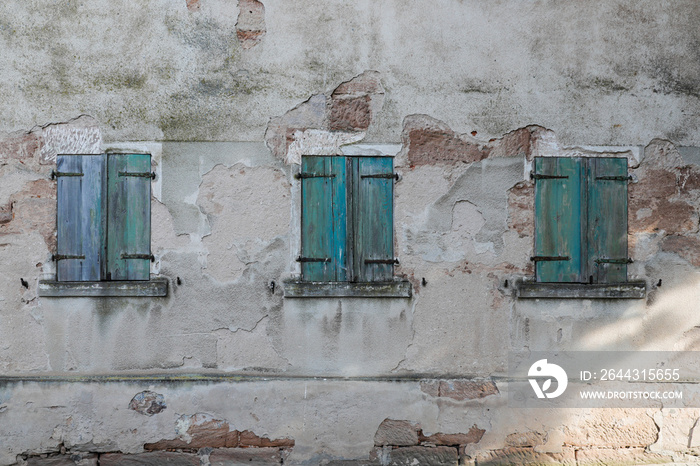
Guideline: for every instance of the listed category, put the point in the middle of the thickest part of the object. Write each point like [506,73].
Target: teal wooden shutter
[607,219]
[323,219]
[373,212]
[80,217]
[129,216]
[559,216]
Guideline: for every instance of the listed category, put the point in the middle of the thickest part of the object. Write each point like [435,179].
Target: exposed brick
[526,439]
[619,456]
[431,142]
[350,114]
[613,427]
[193,5]
[523,456]
[203,432]
[431,387]
[32,210]
[433,456]
[367,83]
[689,179]
[147,403]
[250,27]
[248,439]
[238,456]
[466,390]
[473,436]
[514,144]
[77,459]
[396,433]
[150,459]
[6,213]
[521,208]
[21,146]
[686,247]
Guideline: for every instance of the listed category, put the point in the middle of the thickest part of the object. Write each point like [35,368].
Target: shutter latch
[300,176]
[614,178]
[539,176]
[382,175]
[60,257]
[55,174]
[151,175]
[394,261]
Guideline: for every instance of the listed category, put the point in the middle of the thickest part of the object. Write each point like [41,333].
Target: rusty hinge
[313,259]
[60,257]
[613,261]
[151,175]
[55,174]
[382,175]
[539,176]
[300,176]
[614,178]
[549,258]
[138,256]
[393,261]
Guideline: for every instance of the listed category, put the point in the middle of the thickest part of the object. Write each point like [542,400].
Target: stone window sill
[395,289]
[157,287]
[627,290]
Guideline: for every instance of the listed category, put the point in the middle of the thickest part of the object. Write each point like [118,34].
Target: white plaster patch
[319,142]
[68,139]
[372,149]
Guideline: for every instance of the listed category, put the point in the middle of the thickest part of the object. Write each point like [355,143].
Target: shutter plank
[129,216]
[374,218]
[558,219]
[80,217]
[323,219]
[607,219]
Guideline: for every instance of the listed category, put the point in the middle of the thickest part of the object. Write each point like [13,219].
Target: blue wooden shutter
[129,216]
[559,216]
[80,217]
[607,219]
[323,218]
[373,212]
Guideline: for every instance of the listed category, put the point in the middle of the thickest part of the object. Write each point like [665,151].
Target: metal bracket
[538,176]
[382,175]
[614,178]
[55,174]
[151,175]
[613,261]
[312,259]
[394,261]
[138,256]
[300,176]
[549,258]
[60,257]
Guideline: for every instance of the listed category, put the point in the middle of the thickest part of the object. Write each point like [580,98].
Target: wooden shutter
[559,195]
[323,219]
[129,216]
[607,219]
[373,212]
[80,217]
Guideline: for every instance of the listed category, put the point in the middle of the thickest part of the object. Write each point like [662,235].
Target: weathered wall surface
[227,97]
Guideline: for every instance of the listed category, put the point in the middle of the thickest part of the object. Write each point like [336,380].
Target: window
[347,234]
[103,226]
[581,224]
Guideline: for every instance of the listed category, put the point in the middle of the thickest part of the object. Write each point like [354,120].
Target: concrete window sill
[628,290]
[157,287]
[299,289]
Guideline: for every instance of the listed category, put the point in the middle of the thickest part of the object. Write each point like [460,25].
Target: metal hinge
[300,176]
[538,176]
[614,178]
[55,174]
[151,175]
[138,256]
[393,261]
[549,258]
[313,259]
[382,175]
[60,257]
[613,261]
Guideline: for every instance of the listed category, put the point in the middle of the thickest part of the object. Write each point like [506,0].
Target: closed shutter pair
[103,217]
[347,219]
[581,220]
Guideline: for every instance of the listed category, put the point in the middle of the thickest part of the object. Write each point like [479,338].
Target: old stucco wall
[227,96]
